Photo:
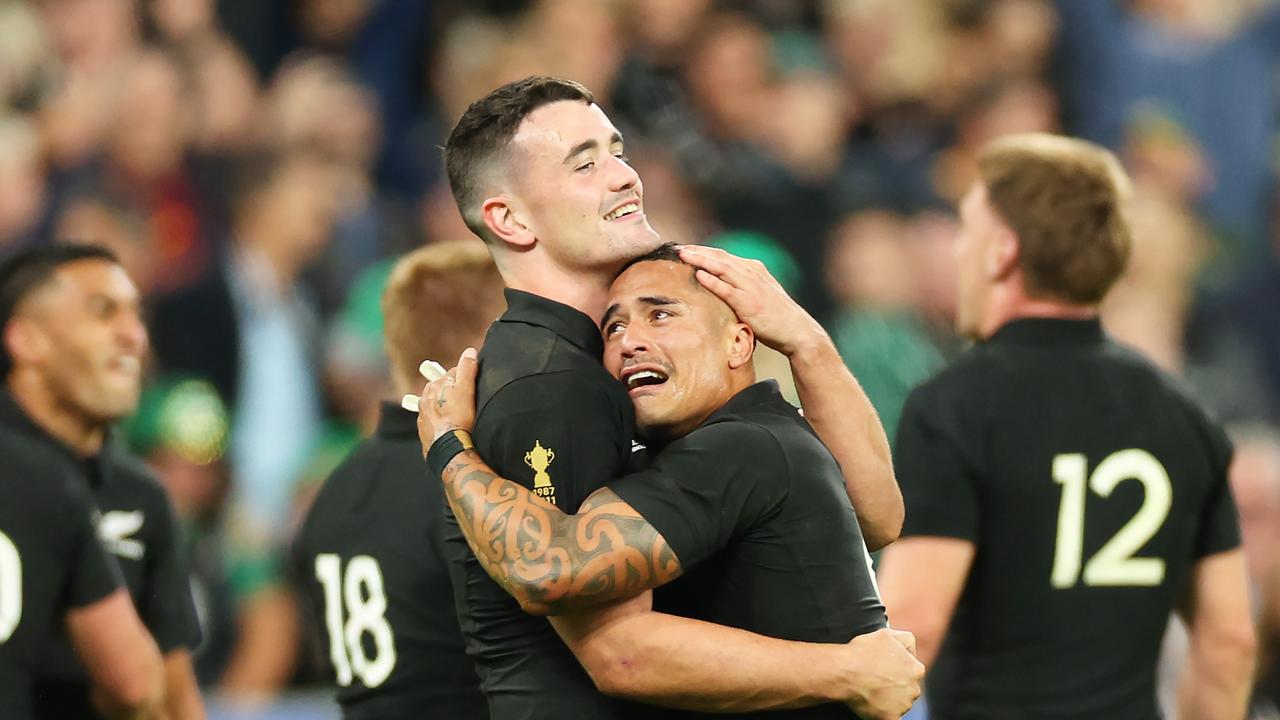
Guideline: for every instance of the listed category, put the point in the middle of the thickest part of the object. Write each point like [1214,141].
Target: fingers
[905,639]
[410,402]
[719,287]
[713,260]
[466,369]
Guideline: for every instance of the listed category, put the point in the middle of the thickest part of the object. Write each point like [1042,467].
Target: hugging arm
[834,403]
[549,561]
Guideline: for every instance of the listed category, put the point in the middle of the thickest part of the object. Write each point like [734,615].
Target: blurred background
[258,163]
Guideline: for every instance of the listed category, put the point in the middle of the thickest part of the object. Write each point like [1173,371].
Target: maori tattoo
[549,561]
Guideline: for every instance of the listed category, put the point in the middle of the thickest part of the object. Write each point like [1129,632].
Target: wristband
[445,448]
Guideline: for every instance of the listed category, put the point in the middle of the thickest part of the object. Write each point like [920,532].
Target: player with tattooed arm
[539,173]
[742,502]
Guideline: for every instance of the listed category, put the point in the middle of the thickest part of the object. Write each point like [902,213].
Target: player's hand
[448,402]
[756,297]
[884,677]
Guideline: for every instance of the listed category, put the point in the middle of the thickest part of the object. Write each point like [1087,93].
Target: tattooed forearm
[549,561]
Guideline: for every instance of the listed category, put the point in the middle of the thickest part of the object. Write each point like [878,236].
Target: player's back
[370,560]
[50,562]
[1093,485]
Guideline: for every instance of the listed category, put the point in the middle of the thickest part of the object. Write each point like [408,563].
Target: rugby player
[1063,495]
[395,646]
[53,571]
[539,173]
[740,487]
[74,345]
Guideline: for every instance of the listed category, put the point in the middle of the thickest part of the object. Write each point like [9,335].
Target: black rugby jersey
[377,527]
[50,562]
[1089,484]
[550,417]
[138,527]
[755,507]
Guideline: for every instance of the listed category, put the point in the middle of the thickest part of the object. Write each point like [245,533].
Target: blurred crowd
[257,164]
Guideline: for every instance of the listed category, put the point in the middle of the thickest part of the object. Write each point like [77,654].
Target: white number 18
[365,602]
[1114,564]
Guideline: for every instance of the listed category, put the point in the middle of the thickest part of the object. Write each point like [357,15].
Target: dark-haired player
[742,502]
[1063,495]
[538,172]
[395,646]
[74,344]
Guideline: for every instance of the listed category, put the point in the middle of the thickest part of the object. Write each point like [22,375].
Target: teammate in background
[54,570]
[539,173]
[369,556]
[1063,495]
[74,344]
[743,503]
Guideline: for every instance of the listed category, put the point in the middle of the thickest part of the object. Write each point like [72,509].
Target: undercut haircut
[1065,200]
[439,299]
[32,268]
[482,138]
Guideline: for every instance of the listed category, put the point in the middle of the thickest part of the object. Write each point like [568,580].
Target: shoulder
[955,388]
[749,442]
[569,391]
[130,472]
[362,474]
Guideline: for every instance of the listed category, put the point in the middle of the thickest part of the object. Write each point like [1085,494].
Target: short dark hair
[28,270]
[668,252]
[485,130]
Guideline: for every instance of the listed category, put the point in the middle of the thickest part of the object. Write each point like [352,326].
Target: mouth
[125,365]
[623,211]
[643,380]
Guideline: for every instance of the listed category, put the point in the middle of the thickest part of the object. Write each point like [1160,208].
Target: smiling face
[91,340]
[574,190]
[679,349]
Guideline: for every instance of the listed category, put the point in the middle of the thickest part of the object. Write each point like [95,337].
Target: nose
[131,331]
[633,342]
[624,177]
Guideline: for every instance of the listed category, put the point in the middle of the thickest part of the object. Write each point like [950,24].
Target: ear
[26,341]
[742,346]
[1003,253]
[501,216]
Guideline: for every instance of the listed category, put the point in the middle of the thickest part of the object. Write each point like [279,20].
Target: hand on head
[755,296]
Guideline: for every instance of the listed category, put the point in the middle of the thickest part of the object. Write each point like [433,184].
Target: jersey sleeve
[708,488]
[559,436]
[938,484]
[92,574]
[1220,523]
[168,611]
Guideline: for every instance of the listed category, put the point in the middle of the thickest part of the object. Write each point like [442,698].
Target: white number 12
[1114,564]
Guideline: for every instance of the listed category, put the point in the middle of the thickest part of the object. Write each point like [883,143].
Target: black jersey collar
[762,393]
[1049,331]
[14,418]
[396,422]
[569,323]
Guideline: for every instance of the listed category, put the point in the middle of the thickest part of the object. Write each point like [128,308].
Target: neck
[1009,304]
[581,290]
[54,416]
